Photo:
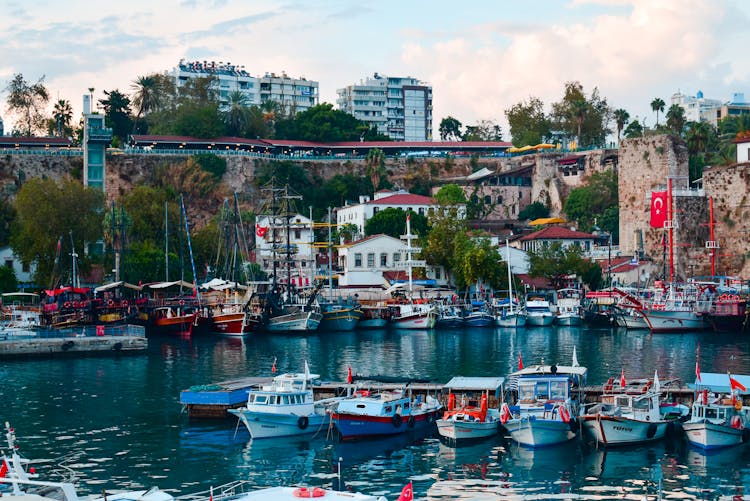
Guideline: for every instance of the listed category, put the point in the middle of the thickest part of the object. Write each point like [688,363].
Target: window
[358,260]
[371,260]
[9,263]
[297,233]
[499,199]
[487,199]
[396,258]
[383,259]
[26,267]
[437,273]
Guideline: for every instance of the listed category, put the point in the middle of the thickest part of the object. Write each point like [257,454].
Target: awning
[475,383]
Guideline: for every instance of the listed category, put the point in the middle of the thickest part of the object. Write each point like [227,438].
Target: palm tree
[146,95]
[699,136]
[676,119]
[63,114]
[375,163]
[237,115]
[579,110]
[657,105]
[622,118]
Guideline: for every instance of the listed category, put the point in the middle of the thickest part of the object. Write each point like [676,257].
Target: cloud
[631,55]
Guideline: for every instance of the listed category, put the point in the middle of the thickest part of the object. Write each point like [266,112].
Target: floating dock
[78,341]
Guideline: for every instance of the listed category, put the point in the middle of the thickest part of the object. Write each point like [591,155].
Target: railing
[64,152]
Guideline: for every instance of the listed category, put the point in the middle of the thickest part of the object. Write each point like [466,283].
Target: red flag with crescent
[658,208]
[260,230]
[349,375]
[407,493]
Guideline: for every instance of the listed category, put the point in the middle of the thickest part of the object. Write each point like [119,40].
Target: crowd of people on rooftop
[220,68]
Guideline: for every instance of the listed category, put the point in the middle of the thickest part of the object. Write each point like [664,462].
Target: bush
[212,164]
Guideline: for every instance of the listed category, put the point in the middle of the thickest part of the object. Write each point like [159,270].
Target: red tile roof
[33,140]
[403,199]
[557,233]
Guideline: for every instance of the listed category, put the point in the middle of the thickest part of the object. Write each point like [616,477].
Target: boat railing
[224,492]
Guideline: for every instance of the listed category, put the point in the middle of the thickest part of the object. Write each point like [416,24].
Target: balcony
[99,135]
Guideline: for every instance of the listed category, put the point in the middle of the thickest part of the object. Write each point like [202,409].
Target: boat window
[297,399]
[557,390]
[406,405]
[272,400]
[388,409]
[622,401]
[526,391]
[285,400]
[261,399]
[710,413]
[542,390]
[642,404]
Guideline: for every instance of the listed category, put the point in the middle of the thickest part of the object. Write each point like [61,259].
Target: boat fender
[745,435]
[396,420]
[117,347]
[66,304]
[125,302]
[738,405]
[304,492]
[564,415]
[67,345]
[410,422]
[110,303]
[651,431]
[303,422]
[505,414]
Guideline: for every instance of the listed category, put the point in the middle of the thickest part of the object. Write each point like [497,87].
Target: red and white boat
[413,315]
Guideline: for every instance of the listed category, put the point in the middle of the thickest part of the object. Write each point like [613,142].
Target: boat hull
[616,431]
[421,320]
[536,432]
[673,321]
[511,320]
[479,320]
[271,425]
[539,320]
[569,320]
[709,436]
[234,324]
[341,319]
[306,321]
[373,323]
[353,426]
[466,431]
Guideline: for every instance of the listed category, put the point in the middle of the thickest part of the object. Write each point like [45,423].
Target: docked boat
[508,312]
[285,408]
[626,418]
[599,309]
[539,309]
[177,319]
[21,315]
[450,316]
[569,309]
[342,315]
[374,317]
[718,419]
[242,490]
[546,403]
[370,414]
[464,420]
[479,314]
[728,313]
[235,321]
[413,315]
[676,311]
[21,482]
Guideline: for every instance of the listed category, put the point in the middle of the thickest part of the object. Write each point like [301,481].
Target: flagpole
[670,217]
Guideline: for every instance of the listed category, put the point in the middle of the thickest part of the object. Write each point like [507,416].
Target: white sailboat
[510,313]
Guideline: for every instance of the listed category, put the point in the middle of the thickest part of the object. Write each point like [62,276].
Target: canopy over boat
[719,382]
[475,383]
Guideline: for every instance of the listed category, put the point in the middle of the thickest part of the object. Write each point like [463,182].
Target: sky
[481,57]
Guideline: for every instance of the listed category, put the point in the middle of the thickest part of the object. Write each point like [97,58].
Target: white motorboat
[718,418]
[241,491]
[625,418]
[20,482]
[467,421]
[508,312]
[546,404]
[539,309]
[295,319]
[286,407]
[413,315]
[569,309]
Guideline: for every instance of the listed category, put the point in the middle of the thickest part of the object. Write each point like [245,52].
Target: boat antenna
[190,249]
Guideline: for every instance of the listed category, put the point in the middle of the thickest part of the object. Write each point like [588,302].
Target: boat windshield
[558,390]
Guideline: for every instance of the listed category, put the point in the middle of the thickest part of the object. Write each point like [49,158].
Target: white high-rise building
[697,108]
[295,94]
[400,107]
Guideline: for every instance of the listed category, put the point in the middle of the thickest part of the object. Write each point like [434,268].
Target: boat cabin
[549,388]
[376,404]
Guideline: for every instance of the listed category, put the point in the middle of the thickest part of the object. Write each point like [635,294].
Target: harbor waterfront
[117,422]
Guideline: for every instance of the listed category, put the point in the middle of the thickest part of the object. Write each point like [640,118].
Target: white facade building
[294,94]
[400,107]
[271,244]
[23,272]
[696,107]
[229,78]
[358,214]
[743,149]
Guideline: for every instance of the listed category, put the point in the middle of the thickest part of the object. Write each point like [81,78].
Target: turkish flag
[735,385]
[407,493]
[658,208]
[349,375]
[260,230]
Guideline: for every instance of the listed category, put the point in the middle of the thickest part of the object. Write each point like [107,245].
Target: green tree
[556,263]
[7,216]
[676,119]
[450,129]
[633,130]
[146,261]
[340,189]
[447,232]
[145,207]
[151,94]
[534,210]
[63,114]
[60,210]
[8,280]
[26,102]
[117,114]
[322,123]
[450,195]
[392,222]
[485,130]
[237,115]
[528,123]
[375,167]
[585,118]
[621,120]
[657,105]
[589,202]
[477,260]
[202,120]
[213,164]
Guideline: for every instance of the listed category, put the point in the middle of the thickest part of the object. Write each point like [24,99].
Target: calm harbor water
[117,421]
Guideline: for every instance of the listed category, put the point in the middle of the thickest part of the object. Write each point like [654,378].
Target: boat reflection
[622,462]
[716,463]
[358,451]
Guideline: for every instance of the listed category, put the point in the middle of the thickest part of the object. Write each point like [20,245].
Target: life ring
[304,492]
[723,297]
[182,302]
[303,422]
[736,422]
[75,304]
[66,304]
[363,393]
[397,420]
[110,303]
[651,431]
[564,415]
[410,422]
[124,302]
[505,414]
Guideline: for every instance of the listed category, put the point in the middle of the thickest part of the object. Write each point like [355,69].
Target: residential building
[358,214]
[534,242]
[294,94]
[24,272]
[695,106]
[737,106]
[399,107]
[743,148]
[228,78]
